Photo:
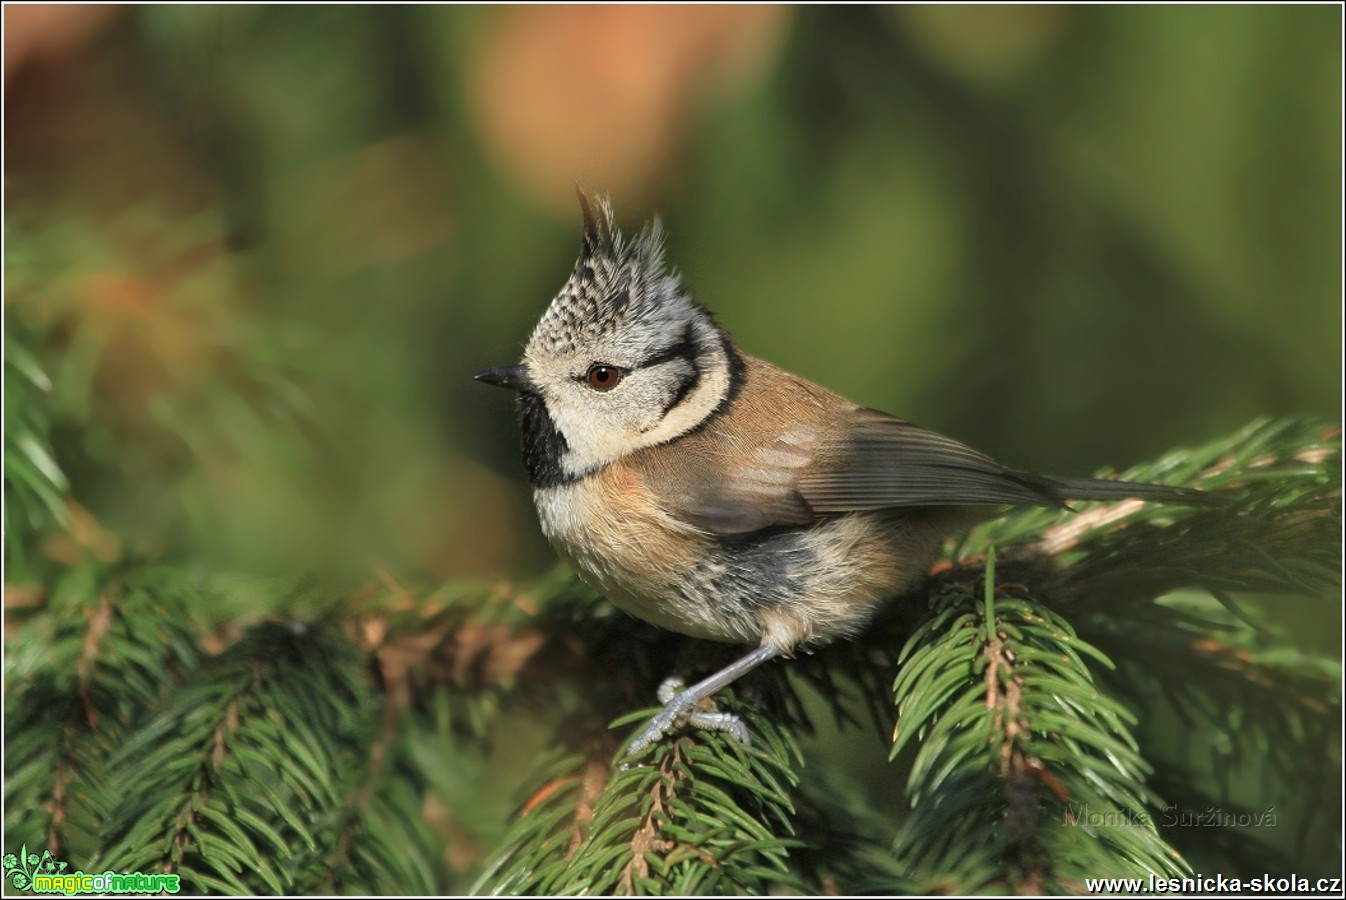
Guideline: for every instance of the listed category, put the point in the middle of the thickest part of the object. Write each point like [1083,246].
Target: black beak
[513,377]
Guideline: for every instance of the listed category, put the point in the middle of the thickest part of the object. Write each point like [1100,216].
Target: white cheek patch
[696,407]
[592,440]
[600,429]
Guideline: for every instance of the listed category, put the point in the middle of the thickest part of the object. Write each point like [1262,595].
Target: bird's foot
[680,709]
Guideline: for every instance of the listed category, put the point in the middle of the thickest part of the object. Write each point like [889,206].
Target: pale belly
[788,587]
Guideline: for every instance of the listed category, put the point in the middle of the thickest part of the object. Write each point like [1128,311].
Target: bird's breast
[786,586]
[619,539]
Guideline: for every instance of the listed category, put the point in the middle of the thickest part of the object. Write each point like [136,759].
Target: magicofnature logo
[45,874]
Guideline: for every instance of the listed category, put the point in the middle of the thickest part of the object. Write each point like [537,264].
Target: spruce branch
[91,662]
[694,815]
[241,779]
[36,487]
[1015,736]
[380,840]
[278,764]
[1156,589]
[1276,530]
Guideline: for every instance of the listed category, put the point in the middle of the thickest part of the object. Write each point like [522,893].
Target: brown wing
[788,451]
[758,492]
[870,460]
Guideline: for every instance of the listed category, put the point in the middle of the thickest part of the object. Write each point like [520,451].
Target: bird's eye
[604,378]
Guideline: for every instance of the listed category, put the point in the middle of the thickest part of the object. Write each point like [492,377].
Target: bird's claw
[680,709]
[669,688]
[728,723]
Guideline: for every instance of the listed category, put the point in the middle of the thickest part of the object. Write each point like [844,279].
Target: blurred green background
[261,250]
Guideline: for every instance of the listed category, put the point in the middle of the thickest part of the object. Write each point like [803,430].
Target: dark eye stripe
[686,387]
[685,348]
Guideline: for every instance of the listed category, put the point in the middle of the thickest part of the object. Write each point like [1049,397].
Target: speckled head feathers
[617,285]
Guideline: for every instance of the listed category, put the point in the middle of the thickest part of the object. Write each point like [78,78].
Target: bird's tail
[1072,488]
